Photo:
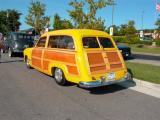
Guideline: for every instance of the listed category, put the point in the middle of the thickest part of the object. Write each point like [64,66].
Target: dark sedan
[16,42]
[125,50]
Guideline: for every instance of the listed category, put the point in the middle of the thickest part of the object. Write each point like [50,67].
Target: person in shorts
[0,49]
[1,38]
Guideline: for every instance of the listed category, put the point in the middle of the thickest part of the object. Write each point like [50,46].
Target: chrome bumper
[99,83]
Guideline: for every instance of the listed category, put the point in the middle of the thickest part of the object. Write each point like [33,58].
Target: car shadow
[114,87]
[105,89]
[110,88]
[129,58]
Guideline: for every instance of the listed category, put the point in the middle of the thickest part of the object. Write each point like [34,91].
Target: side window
[63,42]
[41,42]
[53,41]
[90,42]
[66,42]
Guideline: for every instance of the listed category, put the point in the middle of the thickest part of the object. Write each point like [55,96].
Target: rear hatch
[102,55]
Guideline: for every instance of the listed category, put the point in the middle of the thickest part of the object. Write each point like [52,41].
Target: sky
[124,11]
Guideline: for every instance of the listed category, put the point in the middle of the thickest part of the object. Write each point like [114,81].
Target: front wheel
[10,53]
[2,51]
[27,63]
[59,77]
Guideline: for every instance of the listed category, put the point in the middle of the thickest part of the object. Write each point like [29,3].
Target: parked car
[125,50]
[88,58]
[16,42]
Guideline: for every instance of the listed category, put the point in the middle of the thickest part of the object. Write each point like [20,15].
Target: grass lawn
[145,72]
[145,49]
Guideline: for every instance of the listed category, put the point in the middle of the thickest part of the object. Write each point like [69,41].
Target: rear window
[105,42]
[24,36]
[90,42]
[20,36]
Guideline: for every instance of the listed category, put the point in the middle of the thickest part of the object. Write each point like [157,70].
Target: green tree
[123,29]
[9,21]
[61,24]
[131,30]
[77,14]
[157,23]
[88,19]
[66,24]
[131,37]
[36,16]
[57,22]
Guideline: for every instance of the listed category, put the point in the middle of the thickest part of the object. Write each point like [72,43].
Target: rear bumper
[99,83]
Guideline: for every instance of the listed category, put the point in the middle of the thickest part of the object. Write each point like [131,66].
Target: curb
[143,87]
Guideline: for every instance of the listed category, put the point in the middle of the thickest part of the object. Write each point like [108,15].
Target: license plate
[111,76]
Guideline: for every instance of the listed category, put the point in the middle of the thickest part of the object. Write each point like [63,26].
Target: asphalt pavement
[153,59]
[31,95]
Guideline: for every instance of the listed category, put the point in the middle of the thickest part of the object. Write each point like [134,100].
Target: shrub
[145,42]
[158,42]
[132,39]
[120,39]
[140,46]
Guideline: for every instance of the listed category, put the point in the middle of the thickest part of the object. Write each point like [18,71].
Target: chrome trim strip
[99,83]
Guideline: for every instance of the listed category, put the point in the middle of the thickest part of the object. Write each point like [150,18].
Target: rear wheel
[59,77]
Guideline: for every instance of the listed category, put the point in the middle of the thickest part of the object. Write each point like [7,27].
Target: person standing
[1,39]
[0,50]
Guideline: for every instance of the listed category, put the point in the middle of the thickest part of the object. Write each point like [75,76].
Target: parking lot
[31,95]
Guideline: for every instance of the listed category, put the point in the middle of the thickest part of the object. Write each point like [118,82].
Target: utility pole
[142,32]
[113,14]
[142,19]
[111,28]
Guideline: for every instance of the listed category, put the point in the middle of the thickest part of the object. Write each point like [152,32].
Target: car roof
[81,32]
[20,33]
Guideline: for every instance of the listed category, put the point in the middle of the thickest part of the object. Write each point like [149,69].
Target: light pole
[111,28]
[112,14]
[142,19]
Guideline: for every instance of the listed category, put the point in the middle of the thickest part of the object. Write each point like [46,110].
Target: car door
[37,53]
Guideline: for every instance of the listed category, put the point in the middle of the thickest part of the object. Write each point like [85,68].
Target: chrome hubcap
[58,75]
[27,62]
[9,52]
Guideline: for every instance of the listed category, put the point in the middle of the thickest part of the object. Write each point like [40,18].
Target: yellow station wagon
[89,58]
